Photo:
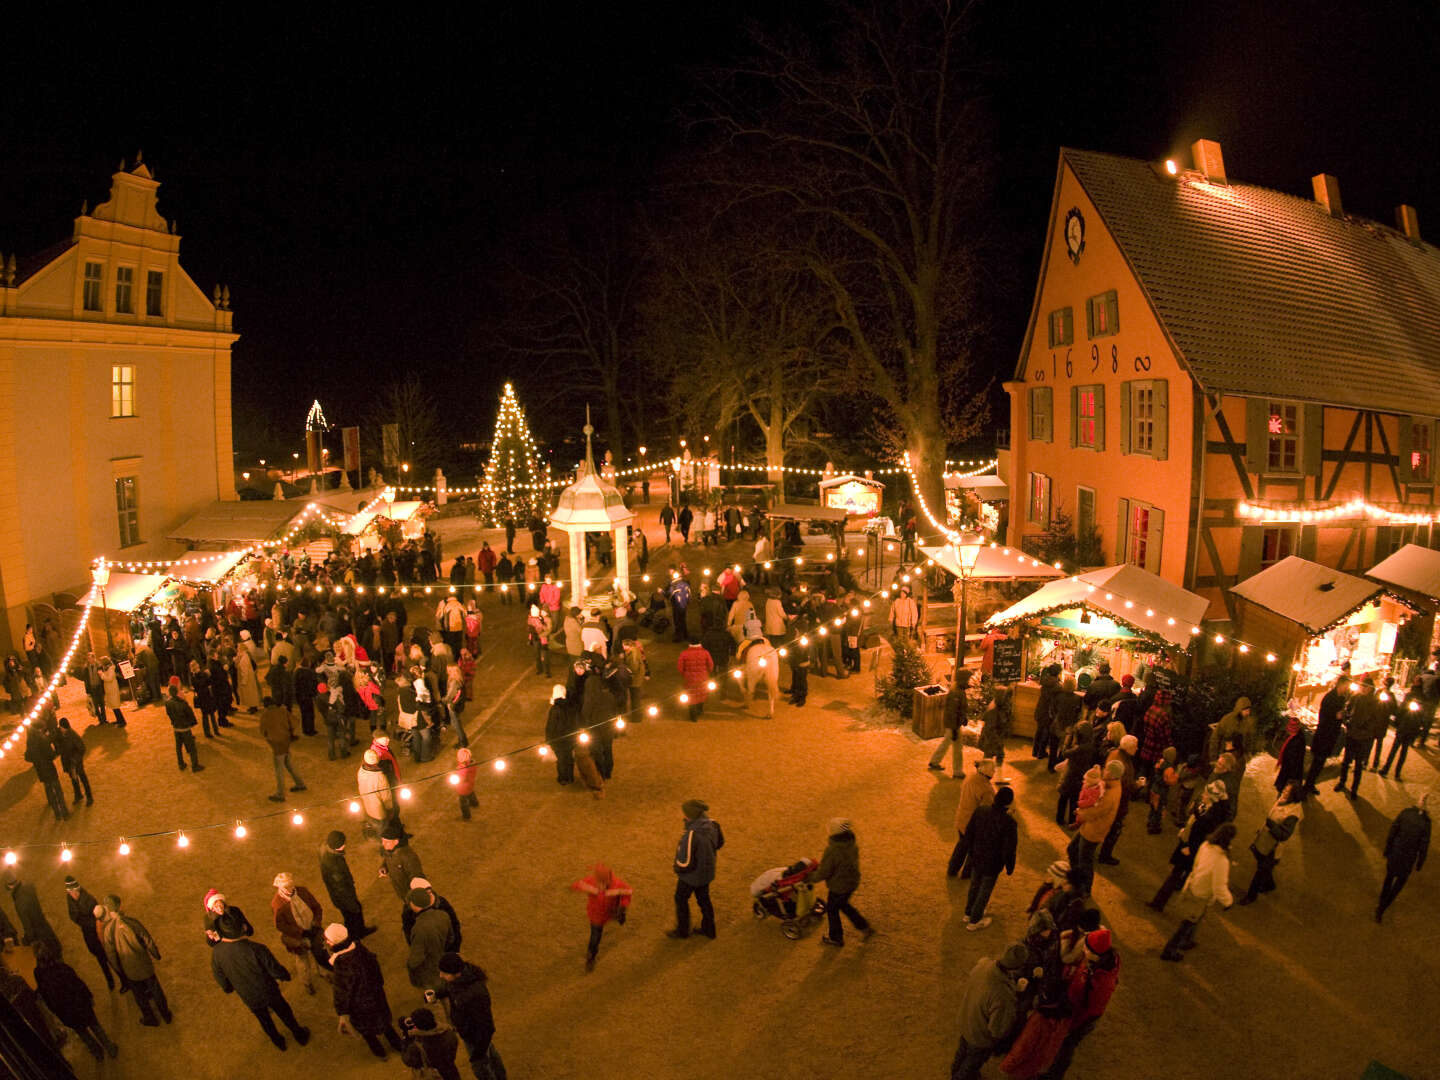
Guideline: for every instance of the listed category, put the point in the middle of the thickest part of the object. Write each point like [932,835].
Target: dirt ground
[1303,984]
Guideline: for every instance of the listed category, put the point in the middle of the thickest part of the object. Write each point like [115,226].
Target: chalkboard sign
[127,670]
[1163,678]
[1009,660]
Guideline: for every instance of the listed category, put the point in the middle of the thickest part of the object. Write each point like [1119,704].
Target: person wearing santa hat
[360,999]
[380,743]
[215,906]
[1091,984]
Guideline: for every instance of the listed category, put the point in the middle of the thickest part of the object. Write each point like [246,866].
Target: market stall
[1320,622]
[1414,572]
[824,519]
[981,501]
[201,579]
[366,527]
[122,596]
[1123,615]
[858,496]
[988,564]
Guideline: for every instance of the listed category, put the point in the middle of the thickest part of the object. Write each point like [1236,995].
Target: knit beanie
[1114,770]
[1004,797]
[1015,958]
[70,882]
[451,964]
[372,758]
[1098,941]
[423,1019]
[1127,681]
[419,898]
[1130,744]
[1041,922]
[1168,755]
[693,808]
[335,841]
[1093,776]
[335,934]
[420,883]
[1058,871]
[837,826]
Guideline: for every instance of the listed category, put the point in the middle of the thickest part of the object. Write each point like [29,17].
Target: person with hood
[466,998]
[430,935]
[695,666]
[67,996]
[607,896]
[1406,845]
[995,725]
[989,1010]
[1208,883]
[249,969]
[132,953]
[398,861]
[340,884]
[560,723]
[80,906]
[1078,761]
[297,916]
[430,1045]
[34,927]
[360,1000]
[1327,730]
[1091,984]
[1279,825]
[1290,761]
[216,906]
[990,842]
[954,719]
[1130,784]
[975,792]
[1239,721]
[840,869]
[695,868]
[1208,814]
[377,797]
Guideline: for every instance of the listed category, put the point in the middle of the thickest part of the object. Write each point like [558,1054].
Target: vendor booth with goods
[858,496]
[1414,572]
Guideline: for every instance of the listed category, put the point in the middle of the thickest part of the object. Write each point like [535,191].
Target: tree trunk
[927,460]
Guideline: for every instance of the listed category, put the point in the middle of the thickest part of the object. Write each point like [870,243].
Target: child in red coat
[607,897]
[465,786]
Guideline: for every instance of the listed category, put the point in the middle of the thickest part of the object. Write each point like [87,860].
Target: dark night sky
[348,176]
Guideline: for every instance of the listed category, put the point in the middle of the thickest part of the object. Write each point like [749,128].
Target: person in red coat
[465,785]
[1091,982]
[297,917]
[696,667]
[607,896]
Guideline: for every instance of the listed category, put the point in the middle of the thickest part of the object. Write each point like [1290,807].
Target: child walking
[465,785]
[607,897]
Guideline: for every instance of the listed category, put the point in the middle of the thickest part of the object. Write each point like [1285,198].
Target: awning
[798,512]
[992,563]
[1413,568]
[1128,595]
[239,523]
[1312,596]
[850,478]
[126,592]
[206,567]
[990,487]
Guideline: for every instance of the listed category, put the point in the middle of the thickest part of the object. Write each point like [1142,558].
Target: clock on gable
[1074,234]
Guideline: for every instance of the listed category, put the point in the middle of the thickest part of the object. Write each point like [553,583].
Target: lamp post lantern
[967,553]
[100,576]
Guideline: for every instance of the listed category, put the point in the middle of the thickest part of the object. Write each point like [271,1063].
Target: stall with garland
[858,496]
[394,521]
[1123,615]
[123,601]
[1321,622]
[1414,572]
[978,502]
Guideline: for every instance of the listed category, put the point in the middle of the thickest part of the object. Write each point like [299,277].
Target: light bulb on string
[653,710]
[240,831]
[66,854]
[297,818]
[354,806]
[182,841]
[405,793]
[584,736]
[124,848]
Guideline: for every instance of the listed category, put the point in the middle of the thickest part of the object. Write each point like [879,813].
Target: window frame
[154,294]
[1294,440]
[1425,453]
[1040,491]
[119,384]
[1045,394]
[125,290]
[1065,333]
[1095,418]
[127,510]
[1289,534]
[92,288]
[1107,305]
[1081,529]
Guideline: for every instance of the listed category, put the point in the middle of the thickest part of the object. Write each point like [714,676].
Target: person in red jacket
[607,897]
[1091,982]
[695,667]
[465,785]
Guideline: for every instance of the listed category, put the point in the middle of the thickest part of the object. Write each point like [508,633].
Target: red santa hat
[212,897]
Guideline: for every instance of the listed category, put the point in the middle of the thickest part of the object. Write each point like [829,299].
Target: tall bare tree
[426,438]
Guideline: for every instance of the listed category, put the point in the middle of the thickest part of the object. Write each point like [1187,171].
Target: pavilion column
[622,559]
[577,568]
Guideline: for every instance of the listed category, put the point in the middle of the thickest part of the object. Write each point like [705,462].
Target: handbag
[1190,907]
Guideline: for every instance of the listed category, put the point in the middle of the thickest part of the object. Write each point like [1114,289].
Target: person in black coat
[305,683]
[340,884]
[1077,763]
[1208,814]
[70,999]
[1406,846]
[71,748]
[560,725]
[247,968]
[990,841]
[80,906]
[360,999]
[467,1003]
[1290,762]
[220,691]
[1327,730]
[34,927]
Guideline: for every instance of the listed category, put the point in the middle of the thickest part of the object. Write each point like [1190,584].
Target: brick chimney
[1407,221]
[1205,153]
[1327,193]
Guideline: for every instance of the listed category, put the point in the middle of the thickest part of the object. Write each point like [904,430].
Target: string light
[240,831]
[124,847]
[297,818]
[65,854]
[500,764]
[182,841]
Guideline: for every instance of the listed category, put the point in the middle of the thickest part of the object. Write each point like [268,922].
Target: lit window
[1142,418]
[1040,499]
[94,272]
[1276,544]
[127,506]
[122,390]
[155,293]
[1283,447]
[125,290]
[1085,415]
[1103,314]
[1062,327]
[1422,437]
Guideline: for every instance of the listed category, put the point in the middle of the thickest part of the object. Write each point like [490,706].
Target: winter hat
[284,881]
[1129,744]
[1114,770]
[1127,681]
[392,831]
[534,611]
[1216,789]
[1098,941]
[323,688]
[462,756]
[213,897]
[423,1019]
[70,882]
[1004,797]
[335,934]
[1168,755]
[174,680]
[1115,732]
[986,766]
[837,826]
[380,740]
[1058,871]
[229,926]
[335,841]
[556,693]
[419,898]
[1093,776]
[372,758]
[693,808]
[1040,923]
[451,964]
[1015,958]
[244,635]
[420,883]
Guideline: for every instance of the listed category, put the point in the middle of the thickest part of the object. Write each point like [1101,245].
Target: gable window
[122,390]
[1282,425]
[125,290]
[1062,327]
[127,507]
[1140,532]
[94,273]
[155,292]
[1087,417]
[1039,505]
[1102,314]
[1422,450]
[1276,544]
[1042,414]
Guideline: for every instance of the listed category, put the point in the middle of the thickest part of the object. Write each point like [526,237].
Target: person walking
[989,1010]
[67,996]
[695,666]
[70,745]
[1210,811]
[465,769]
[297,916]
[1327,730]
[1279,826]
[695,868]
[1406,845]
[995,725]
[80,906]
[360,1000]
[340,884]
[840,870]
[560,724]
[40,751]
[247,968]
[1369,717]
[976,791]
[466,998]
[132,953]
[684,520]
[277,727]
[990,842]
[34,926]
[607,896]
[1409,720]
[182,722]
[1208,883]
[954,720]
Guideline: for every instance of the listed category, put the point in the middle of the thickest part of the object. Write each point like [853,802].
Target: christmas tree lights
[513,476]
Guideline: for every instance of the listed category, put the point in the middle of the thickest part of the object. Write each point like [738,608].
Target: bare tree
[872,139]
[426,438]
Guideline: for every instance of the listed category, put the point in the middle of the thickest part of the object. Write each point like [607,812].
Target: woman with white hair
[559,734]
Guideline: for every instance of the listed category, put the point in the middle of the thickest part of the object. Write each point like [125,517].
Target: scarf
[299,910]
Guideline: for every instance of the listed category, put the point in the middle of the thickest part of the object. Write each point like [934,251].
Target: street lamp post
[967,553]
[100,575]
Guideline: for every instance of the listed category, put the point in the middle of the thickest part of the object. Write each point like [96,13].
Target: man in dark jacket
[1125,706]
[1327,730]
[1369,717]
[695,868]
[560,725]
[1044,709]
[34,927]
[954,719]
[40,752]
[1102,688]
[71,748]
[80,906]
[340,884]
[1406,846]
[182,722]
[467,1003]
[990,841]
[430,939]
[360,999]
[840,869]
[1077,763]
[247,968]
[306,682]
[70,1000]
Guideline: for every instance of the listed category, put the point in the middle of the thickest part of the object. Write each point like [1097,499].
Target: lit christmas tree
[514,472]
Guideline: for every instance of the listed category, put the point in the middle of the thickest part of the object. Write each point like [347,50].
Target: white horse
[762,665]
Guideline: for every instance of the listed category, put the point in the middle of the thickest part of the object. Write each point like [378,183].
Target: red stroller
[786,893]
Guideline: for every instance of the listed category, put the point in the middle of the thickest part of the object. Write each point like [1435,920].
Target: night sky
[351,177]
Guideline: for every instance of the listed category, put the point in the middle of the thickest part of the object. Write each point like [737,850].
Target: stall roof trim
[992,564]
[798,512]
[1143,590]
[842,478]
[990,487]
[1310,595]
[1413,568]
[211,567]
[237,522]
[126,592]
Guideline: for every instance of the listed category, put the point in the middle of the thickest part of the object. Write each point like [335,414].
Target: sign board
[127,670]
[351,436]
[1009,666]
[390,440]
[1163,678]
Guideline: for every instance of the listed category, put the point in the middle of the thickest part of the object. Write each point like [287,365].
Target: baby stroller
[786,893]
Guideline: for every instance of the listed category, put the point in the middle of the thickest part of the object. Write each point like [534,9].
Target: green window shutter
[1125,417]
[1162,419]
[1047,414]
[1308,536]
[1313,438]
[1074,416]
[1112,312]
[1257,435]
[1402,450]
[1155,542]
[1099,418]
[1050,324]
[1090,318]
[1122,530]
[1069,317]
[1252,539]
